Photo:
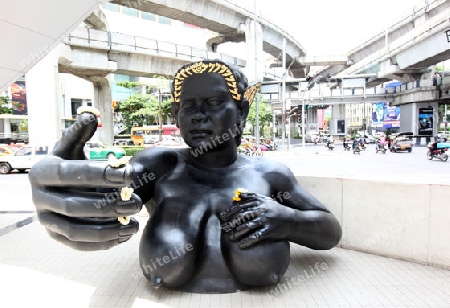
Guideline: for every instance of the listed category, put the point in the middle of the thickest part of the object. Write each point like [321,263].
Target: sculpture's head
[211,101]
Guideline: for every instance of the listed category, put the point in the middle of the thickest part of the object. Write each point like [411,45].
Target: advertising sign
[425,125]
[391,116]
[385,116]
[19,97]
[378,114]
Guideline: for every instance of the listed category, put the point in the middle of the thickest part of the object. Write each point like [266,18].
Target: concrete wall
[399,220]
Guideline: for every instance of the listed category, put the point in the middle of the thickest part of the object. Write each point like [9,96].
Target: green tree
[264,115]
[137,109]
[4,103]
[144,108]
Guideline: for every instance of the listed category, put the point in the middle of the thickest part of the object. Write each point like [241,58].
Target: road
[317,160]
[313,160]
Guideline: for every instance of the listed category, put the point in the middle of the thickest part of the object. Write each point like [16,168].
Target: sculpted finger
[71,144]
[242,217]
[244,229]
[88,231]
[246,196]
[84,246]
[238,207]
[56,172]
[254,238]
[85,204]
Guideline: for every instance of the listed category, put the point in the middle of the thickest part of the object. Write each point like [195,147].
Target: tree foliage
[5,101]
[137,109]
[264,115]
[140,109]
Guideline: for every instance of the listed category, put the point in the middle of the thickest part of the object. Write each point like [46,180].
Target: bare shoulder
[158,158]
[270,168]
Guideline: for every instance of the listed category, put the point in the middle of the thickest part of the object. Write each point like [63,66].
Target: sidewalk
[39,272]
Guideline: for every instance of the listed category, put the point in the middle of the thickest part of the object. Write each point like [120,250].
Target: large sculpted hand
[256,218]
[77,200]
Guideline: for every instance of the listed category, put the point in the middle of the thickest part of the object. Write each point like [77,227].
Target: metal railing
[319,93]
[96,39]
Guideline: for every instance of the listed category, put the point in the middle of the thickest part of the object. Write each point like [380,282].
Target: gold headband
[250,92]
[200,68]
[219,68]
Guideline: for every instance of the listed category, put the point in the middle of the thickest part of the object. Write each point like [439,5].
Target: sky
[332,27]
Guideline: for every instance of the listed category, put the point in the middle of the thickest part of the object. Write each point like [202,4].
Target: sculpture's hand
[66,187]
[256,218]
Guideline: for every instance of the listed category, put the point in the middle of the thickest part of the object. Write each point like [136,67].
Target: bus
[150,134]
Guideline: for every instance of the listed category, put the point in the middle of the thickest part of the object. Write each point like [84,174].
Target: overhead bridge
[229,21]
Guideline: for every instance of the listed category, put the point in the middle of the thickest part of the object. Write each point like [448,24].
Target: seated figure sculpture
[203,235]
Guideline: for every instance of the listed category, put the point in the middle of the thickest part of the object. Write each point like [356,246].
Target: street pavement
[317,160]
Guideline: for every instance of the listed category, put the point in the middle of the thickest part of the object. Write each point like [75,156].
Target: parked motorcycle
[434,152]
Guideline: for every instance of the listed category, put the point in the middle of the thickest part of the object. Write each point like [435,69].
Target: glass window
[75,103]
[164,20]
[110,7]
[148,16]
[24,151]
[41,150]
[130,11]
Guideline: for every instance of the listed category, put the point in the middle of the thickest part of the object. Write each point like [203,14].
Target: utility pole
[283,95]
[160,115]
[257,142]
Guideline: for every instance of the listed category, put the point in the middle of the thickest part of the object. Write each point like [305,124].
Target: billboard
[391,116]
[377,114]
[425,125]
[385,116]
[19,97]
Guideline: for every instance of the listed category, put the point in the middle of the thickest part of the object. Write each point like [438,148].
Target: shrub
[132,150]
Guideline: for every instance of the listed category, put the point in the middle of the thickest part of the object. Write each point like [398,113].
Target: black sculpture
[199,238]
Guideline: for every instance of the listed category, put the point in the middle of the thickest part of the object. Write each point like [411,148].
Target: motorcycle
[356,147]
[381,148]
[257,151]
[330,146]
[346,146]
[362,145]
[434,152]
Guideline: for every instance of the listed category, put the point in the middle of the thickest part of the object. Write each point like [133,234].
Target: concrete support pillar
[426,80]
[338,111]
[103,101]
[254,69]
[7,127]
[43,97]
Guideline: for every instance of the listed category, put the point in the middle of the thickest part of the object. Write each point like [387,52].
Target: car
[312,137]
[150,139]
[444,134]
[4,151]
[23,159]
[370,139]
[402,142]
[99,151]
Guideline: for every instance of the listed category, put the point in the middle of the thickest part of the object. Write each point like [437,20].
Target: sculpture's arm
[66,192]
[311,224]
[292,214]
